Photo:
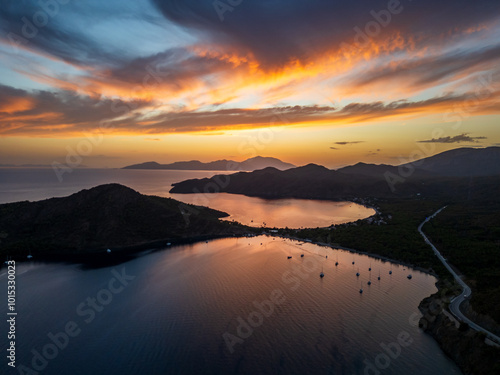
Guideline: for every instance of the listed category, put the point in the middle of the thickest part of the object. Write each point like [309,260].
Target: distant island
[258,162]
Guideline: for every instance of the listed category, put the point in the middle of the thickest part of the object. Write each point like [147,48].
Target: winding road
[466,290]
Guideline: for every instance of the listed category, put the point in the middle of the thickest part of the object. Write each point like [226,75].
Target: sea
[253,305]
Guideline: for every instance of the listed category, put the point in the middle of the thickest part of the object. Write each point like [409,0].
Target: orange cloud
[16,104]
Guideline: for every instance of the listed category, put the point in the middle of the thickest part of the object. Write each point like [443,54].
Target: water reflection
[171,318]
[291,213]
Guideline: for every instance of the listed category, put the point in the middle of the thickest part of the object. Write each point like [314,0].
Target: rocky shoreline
[467,348]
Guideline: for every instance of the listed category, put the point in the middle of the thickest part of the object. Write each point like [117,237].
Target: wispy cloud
[344,143]
[373,153]
[464,137]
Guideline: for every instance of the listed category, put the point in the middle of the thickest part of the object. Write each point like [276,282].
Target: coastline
[469,349]
[434,321]
[435,326]
[373,255]
[122,254]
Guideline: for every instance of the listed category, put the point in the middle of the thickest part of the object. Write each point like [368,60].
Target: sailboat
[290,255]
[357,273]
[321,274]
[369,269]
[361,289]
[337,261]
[378,278]
[370,280]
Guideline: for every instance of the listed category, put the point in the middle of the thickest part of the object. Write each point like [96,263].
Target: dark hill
[310,181]
[316,182]
[463,162]
[108,216]
[463,173]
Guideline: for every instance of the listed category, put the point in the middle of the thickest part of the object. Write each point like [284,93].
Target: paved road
[466,291]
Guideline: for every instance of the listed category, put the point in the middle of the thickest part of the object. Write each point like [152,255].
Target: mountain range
[251,164]
[461,173]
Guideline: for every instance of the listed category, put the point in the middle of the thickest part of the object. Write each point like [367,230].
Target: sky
[108,84]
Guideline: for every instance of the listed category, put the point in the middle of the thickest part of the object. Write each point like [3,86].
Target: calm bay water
[180,311]
[36,184]
[172,315]
[291,213]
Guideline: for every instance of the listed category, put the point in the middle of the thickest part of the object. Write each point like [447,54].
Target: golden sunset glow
[385,80]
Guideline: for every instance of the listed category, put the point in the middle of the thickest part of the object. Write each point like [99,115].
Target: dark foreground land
[111,216]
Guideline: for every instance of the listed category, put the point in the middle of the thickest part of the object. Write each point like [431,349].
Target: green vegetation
[468,234]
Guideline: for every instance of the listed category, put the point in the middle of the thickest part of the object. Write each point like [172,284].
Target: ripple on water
[172,316]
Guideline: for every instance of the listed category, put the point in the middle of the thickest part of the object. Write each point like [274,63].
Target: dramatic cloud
[276,32]
[464,137]
[178,66]
[62,111]
[66,112]
[430,70]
